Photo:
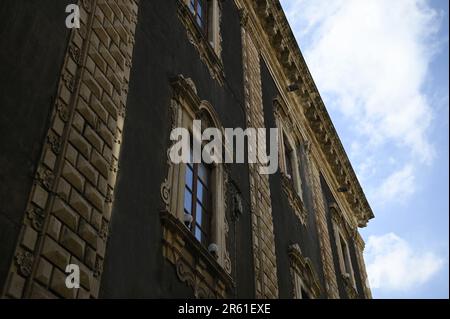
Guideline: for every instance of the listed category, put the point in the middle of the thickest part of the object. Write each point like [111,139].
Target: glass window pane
[201,192]
[199,8]
[199,214]
[187,200]
[198,233]
[199,22]
[192,6]
[203,173]
[189,179]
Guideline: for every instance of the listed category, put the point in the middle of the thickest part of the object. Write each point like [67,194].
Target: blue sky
[382,69]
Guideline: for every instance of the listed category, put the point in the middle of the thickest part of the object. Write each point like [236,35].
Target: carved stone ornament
[36,216]
[194,265]
[55,142]
[45,177]
[63,111]
[305,269]
[24,262]
[349,288]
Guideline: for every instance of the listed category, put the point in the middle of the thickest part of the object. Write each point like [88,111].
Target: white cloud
[392,265]
[370,61]
[397,186]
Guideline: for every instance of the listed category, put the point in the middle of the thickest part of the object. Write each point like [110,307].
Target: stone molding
[285,49]
[304,267]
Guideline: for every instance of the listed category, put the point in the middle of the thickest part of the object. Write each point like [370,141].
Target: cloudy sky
[382,69]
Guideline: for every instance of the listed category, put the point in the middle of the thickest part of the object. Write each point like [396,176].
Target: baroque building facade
[86,178]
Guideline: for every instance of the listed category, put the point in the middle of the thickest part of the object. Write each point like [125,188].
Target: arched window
[194,222]
[305,283]
[289,159]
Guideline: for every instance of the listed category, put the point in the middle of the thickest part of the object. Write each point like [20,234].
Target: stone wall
[69,207]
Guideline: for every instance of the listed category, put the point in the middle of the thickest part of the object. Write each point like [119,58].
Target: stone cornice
[273,20]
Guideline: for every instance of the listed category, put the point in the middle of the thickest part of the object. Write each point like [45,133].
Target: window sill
[194,264]
[294,199]
[207,54]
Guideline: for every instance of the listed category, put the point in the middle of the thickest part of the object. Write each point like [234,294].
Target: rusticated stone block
[54,227]
[103,81]
[117,12]
[106,135]
[44,271]
[118,56]
[71,154]
[121,31]
[88,233]
[29,238]
[94,197]
[90,257]
[92,84]
[99,109]
[72,242]
[15,286]
[58,285]
[114,79]
[108,57]
[81,144]
[96,220]
[99,60]
[110,106]
[107,12]
[38,292]
[40,196]
[65,214]
[80,205]
[109,28]
[86,274]
[87,170]
[78,121]
[100,163]
[63,189]
[73,176]
[55,253]
[101,33]
[86,112]
[93,137]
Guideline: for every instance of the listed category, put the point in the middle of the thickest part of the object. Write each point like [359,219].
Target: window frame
[345,261]
[292,156]
[205,229]
[210,27]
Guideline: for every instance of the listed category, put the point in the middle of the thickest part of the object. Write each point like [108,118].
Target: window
[199,11]
[193,215]
[288,159]
[305,282]
[202,19]
[205,13]
[197,200]
[345,259]
[292,164]
[300,290]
